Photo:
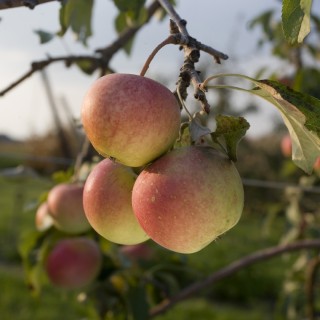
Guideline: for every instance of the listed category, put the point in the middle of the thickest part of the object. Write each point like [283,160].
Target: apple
[286,146]
[136,252]
[73,263]
[107,203]
[43,219]
[188,197]
[66,208]
[130,118]
[316,165]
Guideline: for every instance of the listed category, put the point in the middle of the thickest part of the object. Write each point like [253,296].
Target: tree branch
[40,65]
[101,60]
[31,4]
[232,268]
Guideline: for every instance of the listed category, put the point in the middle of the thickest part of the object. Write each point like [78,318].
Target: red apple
[66,208]
[316,165]
[73,263]
[188,197]
[130,118]
[286,146]
[43,219]
[107,203]
[135,252]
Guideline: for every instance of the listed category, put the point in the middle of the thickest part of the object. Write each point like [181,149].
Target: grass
[249,294]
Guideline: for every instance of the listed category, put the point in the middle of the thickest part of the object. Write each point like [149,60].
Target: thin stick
[170,40]
[232,268]
[181,24]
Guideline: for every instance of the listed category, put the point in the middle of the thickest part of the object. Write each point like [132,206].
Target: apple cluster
[181,198]
[74,261]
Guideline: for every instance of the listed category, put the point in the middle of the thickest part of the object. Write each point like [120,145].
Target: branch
[232,268]
[40,65]
[100,61]
[31,4]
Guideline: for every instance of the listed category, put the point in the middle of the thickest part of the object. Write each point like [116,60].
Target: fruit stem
[170,40]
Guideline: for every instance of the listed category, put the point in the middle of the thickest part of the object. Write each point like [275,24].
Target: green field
[250,294]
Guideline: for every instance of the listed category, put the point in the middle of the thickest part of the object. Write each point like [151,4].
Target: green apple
[107,203]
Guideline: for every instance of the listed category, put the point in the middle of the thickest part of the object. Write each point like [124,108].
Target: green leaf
[77,15]
[296,19]
[132,5]
[44,36]
[300,113]
[87,66]
[232,130]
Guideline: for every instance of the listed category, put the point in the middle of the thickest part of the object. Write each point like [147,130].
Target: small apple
[286,146]
[130,118]
[136,252]
[188,197]
[73,263]
[316,165]
[107,203]
[43,219]
[66,208]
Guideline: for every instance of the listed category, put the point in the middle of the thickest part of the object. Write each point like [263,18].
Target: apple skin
[107,203]
[43,219]
[66,208]
[130,118]
[73,263]
[188,197]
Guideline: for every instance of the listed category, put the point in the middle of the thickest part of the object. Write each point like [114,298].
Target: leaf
[196,128]
[232,130]
[132,5]
[87,66]
[301,114]
[77,15]
[296,19]
[44,36]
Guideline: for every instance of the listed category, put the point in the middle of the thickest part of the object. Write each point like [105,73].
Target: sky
[24,111]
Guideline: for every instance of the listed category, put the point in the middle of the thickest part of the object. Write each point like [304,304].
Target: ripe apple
[286,146]
[130,118]
[73,263]
[66,208]
[107,203]
[43,219]
[188,197]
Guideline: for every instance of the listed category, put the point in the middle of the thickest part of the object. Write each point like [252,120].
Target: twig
[232,268]
[170,40]
[181,23]
[40,65]
[192,48]
[312,270]
[31,4]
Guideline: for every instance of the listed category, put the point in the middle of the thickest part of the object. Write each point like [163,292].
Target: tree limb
[31,4]
[232,268]
[100,60]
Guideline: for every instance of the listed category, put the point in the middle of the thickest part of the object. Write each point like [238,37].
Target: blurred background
[41,136]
